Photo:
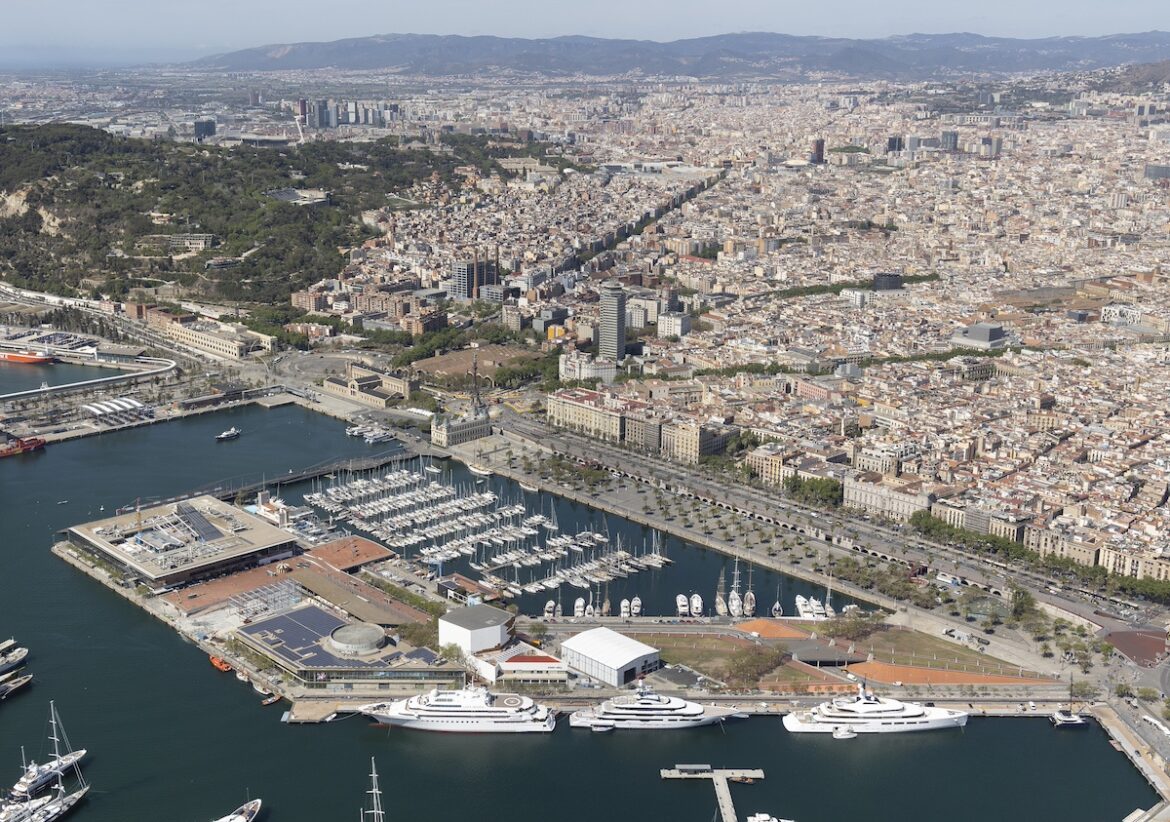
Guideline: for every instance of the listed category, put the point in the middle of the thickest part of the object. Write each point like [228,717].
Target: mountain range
[751,54]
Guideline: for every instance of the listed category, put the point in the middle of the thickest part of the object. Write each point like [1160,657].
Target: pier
[231,488]
[721,778]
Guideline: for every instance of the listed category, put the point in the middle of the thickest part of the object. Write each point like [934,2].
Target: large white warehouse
[609,657]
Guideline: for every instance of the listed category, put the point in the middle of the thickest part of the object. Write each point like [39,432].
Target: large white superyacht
[647,710]
[469,710]
[869,714]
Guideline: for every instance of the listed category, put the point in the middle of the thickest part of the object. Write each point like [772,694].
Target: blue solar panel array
[199,523]
[424,655]
[296,637]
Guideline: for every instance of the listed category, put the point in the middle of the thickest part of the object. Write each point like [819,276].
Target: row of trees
[1093,575]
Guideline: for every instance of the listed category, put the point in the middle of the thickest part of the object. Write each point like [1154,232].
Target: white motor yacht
[646,710]
[869,714]
[468,710]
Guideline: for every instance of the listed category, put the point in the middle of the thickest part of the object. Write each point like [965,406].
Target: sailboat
[720,593]
[734,602]
[777,608]
[829,610]
[550,523]
[48,809]
[749,598]
[375,813]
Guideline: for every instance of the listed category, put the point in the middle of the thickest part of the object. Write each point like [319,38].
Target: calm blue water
[172,739]
[23,377]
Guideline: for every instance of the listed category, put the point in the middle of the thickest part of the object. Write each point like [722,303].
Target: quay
[407,452]
[720,777]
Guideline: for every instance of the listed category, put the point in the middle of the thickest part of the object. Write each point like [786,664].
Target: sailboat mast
[377,813]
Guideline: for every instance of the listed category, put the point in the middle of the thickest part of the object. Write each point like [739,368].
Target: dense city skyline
[137,31]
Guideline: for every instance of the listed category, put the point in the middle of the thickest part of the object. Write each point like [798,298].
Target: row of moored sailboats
[736,605]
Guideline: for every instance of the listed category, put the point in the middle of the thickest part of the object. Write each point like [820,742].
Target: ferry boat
[232,433]
[244,813]
[869,714]
[646,710]
[18,445]
[26,357]
[469,710]
[1063,718]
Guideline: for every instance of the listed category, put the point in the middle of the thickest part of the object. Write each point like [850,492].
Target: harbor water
[171,738]
[26,377]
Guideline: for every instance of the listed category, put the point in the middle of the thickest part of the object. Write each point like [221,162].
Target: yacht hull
[799,724]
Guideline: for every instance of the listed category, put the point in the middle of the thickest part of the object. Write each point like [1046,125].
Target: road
[895,544]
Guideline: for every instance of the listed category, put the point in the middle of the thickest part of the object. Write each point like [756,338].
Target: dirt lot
[905,647]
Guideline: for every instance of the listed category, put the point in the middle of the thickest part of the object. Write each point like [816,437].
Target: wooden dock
[721,778]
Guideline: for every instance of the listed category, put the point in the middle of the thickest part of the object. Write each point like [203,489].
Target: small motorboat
[220,664]
[270,700]
[1068,719]
[844,733]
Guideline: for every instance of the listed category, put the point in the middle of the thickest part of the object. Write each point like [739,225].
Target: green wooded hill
[75,205]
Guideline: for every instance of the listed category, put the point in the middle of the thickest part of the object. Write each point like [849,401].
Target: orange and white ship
[26,357]
[16,446]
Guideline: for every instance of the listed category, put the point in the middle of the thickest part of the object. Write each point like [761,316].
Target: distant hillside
[1134,79]
[725,55]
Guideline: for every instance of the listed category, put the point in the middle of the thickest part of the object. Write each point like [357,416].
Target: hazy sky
[170,30]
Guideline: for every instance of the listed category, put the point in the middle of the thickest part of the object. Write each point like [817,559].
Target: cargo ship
[21,446]
[26,357]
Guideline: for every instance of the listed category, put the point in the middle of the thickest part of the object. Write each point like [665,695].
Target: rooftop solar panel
[198,523]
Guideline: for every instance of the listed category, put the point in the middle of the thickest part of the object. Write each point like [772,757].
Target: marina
[267,757]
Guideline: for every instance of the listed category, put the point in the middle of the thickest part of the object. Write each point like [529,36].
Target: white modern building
[609,657]
[578,366]
[475,628]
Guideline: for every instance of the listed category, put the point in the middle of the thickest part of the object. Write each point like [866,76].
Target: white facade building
[475,628]
[578,366]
